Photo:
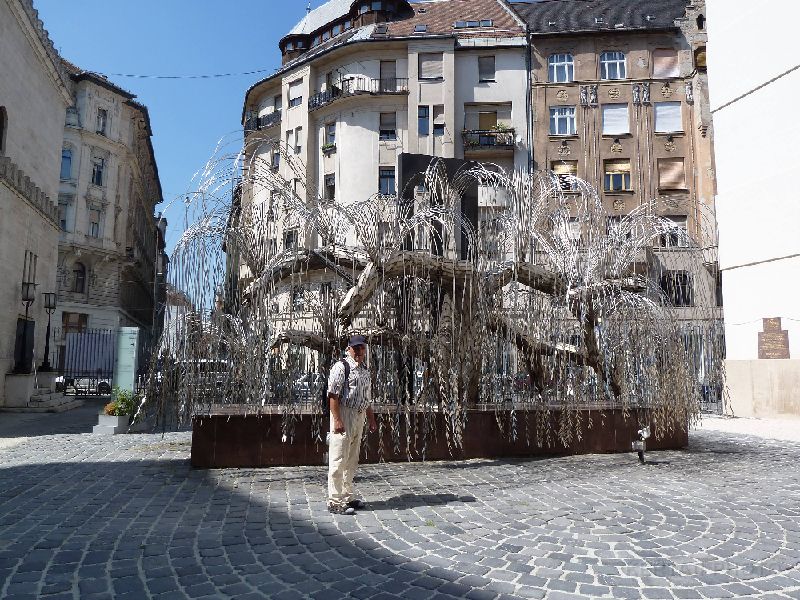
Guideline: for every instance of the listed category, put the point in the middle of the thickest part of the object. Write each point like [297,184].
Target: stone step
[47,403]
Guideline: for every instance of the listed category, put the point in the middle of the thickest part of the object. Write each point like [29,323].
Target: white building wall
[758,203]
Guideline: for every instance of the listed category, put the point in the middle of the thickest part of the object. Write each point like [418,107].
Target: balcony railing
[477,139]
[358,85]
[258,123]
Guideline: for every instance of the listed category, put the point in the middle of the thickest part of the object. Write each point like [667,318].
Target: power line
[205,76]
[755,89]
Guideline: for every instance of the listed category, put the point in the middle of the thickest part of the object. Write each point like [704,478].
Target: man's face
[358,353]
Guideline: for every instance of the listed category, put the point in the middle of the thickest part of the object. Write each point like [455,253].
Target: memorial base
[229,440]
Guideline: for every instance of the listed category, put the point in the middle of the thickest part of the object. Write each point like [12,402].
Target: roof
[567,16]
[438,15]
[320,16]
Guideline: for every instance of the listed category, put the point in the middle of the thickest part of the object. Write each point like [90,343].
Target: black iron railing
[257,123]
[488,138]
[358,85]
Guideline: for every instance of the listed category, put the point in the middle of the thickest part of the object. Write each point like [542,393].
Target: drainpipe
[529,101]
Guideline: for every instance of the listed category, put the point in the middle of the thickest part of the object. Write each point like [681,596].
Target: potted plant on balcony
[328,148]
[117,414]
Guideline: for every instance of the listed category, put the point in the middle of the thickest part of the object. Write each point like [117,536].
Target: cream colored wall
[510,86]
[763,388]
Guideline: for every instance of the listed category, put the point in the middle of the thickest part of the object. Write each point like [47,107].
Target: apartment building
[111,263]
[364,81]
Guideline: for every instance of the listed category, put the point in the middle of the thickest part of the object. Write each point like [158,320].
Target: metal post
[50,307]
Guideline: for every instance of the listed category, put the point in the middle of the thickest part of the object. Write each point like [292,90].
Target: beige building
[111,265]
[34,93]
[363,81]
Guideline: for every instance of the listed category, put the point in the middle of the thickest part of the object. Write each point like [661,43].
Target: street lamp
[28,298]
[49,299]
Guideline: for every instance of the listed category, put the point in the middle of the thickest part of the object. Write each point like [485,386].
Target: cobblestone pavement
[92,517]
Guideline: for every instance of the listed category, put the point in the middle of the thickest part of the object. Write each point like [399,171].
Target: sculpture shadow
[405,501]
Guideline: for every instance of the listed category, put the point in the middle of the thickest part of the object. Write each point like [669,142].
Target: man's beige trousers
[343,452]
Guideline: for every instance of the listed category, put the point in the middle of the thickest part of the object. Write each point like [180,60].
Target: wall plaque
[773,342]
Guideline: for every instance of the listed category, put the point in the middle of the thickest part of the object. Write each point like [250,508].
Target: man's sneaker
[341,510]
[357,504]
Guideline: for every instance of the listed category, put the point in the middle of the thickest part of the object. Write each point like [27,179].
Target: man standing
[349,397]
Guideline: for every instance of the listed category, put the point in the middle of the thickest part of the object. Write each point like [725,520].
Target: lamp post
[28,298]
[49,299]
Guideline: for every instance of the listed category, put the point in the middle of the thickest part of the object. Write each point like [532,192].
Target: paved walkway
[86,517]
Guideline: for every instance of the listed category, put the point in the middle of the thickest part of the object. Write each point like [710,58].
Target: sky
[176,37]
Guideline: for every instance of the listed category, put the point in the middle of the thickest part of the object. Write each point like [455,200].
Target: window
[613,226]
[377,5]
[277,102]
[330,187]
[615,119]
[486,68]
[677,287]
[98,168]
[330,134]
[562,120]
[678,235]
[326,35]
[438,120]
[62,213]
[420,28]
[566,171]
[74,322]
[298,140]
[276,160]
[297,297]
[665,63]
[386,181]
[671,174]
[102,121]
[424,120]
[290,239]
[487,23]
[487,120]
[94,223]
[668,117]
[617,176]
[561,68]
[296,93]
[388,75]
[430,65]
[337,29]
[612,65]
[348,24]
[78,278]
[363,8]
[3,128]
[66,163]
[316,41]
[388,126]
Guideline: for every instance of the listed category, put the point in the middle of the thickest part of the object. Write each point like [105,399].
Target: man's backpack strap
[345,384]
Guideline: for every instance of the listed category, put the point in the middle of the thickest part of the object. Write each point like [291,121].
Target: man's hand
[338,425]
[372,424]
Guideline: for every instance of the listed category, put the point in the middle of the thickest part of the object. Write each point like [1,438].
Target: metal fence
[85,359]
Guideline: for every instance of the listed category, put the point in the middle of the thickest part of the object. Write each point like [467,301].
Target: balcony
[358,86]
[488,142]
[265,122]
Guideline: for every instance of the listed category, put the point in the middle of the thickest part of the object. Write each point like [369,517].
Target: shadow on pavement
[415,500]
[77,420]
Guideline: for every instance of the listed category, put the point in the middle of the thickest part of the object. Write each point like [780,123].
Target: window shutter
[388,120]
[295,90]
[668,117]
[618,166]
[438,114]
[486,68]
[388,69]
[615,119]
[671,174]
[430,65]
[487,120]
[565,168]
[665,63]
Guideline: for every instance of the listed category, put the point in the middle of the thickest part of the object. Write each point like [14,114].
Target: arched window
[701,22]
[3,128]
[79,278]
[66,163]
[561,68]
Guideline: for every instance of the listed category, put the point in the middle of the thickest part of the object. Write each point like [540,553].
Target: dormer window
[421,29]
[316,41]
[364,8]
[487,23]
[382,29]
[377,5]
[348,24]
[326,35]
[472,24]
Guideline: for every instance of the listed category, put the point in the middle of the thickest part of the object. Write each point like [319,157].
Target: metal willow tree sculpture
[555,309]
